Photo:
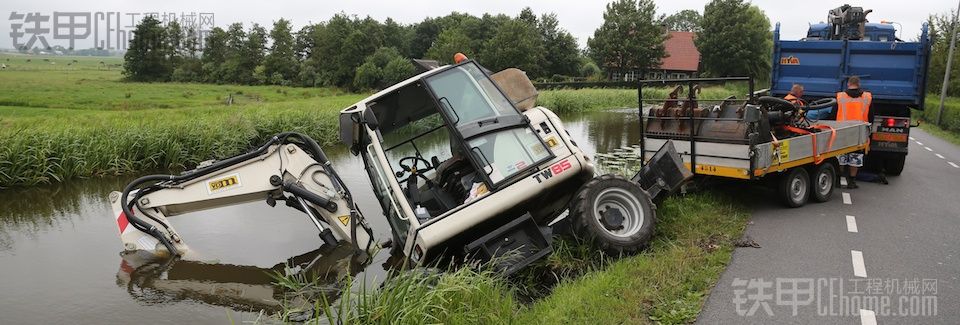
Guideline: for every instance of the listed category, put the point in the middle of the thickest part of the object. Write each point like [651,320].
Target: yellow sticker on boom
[784,151]
[552,142]
[223,183]
[344,219]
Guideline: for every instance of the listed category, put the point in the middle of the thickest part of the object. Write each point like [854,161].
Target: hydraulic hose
[140,224]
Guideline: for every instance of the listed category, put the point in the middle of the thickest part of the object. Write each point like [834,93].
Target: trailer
[752,138]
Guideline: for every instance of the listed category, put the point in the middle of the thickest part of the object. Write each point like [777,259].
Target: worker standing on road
[796,95]
[853,105]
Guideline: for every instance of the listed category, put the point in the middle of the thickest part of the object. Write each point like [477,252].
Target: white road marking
[911,138]
[868,317]
[843,181]
[858,267]
[846,198]
[919,143]
[851,224]
[940,156]
[952,164]
[928,149]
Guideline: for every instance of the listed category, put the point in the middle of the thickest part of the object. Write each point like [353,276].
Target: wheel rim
[798,189]
[618,200]
[825,182]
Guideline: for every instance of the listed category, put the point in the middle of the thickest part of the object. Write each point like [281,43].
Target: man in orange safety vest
[853,105]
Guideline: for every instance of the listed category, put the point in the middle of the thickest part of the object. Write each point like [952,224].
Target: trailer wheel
[893,164]
[613,213]
[794,186]
[824,180]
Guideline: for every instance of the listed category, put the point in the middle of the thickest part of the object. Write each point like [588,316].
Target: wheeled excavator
[463,164]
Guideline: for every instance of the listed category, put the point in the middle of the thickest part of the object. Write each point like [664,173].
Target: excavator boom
[289,167]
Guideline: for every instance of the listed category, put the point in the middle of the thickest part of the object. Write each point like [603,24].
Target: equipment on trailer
[463,164]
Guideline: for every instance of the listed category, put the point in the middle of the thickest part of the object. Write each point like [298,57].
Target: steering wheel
[411,165]
[821,103]
[413,192]
[776,103]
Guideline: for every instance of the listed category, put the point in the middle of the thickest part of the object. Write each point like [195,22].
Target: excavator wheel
[614,214]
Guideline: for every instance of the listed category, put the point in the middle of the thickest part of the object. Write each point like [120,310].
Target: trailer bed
[736,161]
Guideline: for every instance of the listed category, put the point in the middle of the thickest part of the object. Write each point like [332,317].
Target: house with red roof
[682,61]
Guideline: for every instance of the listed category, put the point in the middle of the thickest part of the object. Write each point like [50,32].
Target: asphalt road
[893,252]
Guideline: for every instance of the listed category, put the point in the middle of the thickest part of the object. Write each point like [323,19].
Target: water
[60,261]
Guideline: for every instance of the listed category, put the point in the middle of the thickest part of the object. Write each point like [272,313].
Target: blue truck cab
[894,71]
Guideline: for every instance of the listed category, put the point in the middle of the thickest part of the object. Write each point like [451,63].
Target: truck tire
[794,187]
[824,180]
[614,214]
[893,164]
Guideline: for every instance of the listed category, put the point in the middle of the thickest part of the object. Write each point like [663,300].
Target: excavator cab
[452,157]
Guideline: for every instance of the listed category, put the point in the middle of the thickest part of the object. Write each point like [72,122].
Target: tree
[940,26]
[252,55]
[280,65]
[527,16]
[383,68]
[683,21]
[735,40]
[517,44]
[561,53]
[147,58]
[214,55]
[190,68]
[630,37]
[232,69]
[448,43]
[397,36]
[424,35]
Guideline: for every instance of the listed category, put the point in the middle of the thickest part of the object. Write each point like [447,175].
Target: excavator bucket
[664,173]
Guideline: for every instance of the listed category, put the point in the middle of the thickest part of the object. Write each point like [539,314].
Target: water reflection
[604,131]
[29,211]
[239,287]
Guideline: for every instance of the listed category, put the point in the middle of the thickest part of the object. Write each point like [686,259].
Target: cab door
[498,137]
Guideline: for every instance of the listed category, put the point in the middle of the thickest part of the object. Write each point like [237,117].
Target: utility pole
[946,75]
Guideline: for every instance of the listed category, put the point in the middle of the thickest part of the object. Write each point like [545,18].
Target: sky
[579,17]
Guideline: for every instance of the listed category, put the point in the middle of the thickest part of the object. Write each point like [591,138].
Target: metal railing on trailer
[691,119]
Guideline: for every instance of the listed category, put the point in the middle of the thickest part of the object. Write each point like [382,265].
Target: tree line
[348,51]
[363,53]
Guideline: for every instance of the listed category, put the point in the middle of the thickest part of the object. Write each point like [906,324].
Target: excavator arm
[290,167]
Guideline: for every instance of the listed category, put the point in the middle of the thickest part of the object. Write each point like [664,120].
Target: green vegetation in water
[665,284]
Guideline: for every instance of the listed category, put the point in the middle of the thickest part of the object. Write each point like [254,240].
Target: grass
[581,100]
[949,129]
[77,119]
[666,284]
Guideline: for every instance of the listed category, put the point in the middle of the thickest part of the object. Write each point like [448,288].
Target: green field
[59,121]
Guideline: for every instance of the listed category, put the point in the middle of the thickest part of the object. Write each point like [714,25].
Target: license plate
[889,137]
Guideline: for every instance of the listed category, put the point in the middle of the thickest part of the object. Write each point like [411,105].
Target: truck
[847,45]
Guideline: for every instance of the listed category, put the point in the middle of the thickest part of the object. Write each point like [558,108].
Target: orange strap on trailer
[816,154]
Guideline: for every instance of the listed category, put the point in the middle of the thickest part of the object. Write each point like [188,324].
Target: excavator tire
[614,214]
